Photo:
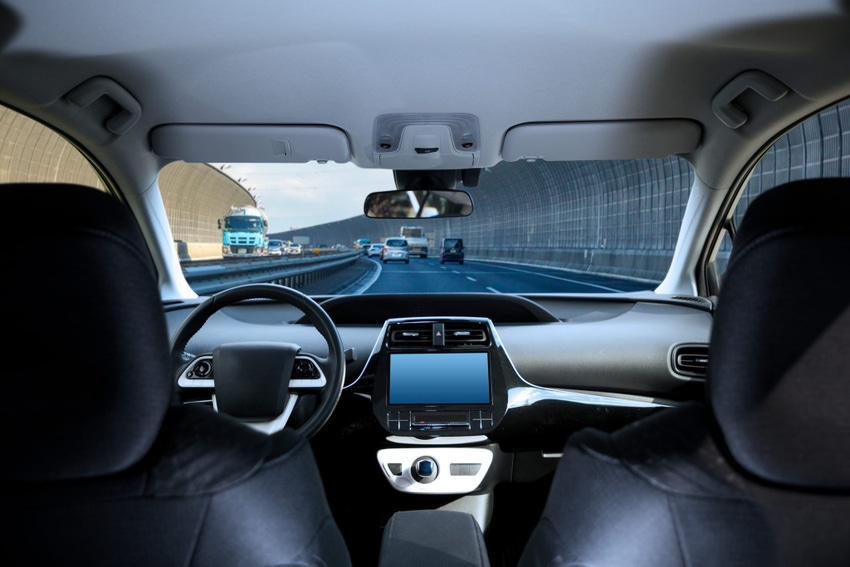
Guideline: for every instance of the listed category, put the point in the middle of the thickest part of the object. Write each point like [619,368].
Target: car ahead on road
[374,249]
[294,250]
[612,153]
[276,248]
[362,245]
[395,250]
[451,250]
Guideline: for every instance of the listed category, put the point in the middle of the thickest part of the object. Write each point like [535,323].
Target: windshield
[536,227]
[243,223]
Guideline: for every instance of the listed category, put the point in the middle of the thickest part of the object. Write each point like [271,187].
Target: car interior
[621,343]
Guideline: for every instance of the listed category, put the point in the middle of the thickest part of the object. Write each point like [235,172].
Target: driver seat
[100,466]
[759,476]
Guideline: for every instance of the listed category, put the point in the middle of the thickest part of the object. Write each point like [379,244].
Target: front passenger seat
[761,474]
[99,468]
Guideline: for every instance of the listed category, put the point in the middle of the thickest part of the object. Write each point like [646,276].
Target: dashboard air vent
[691,360]
[466,336]
[411,336]
[439,334]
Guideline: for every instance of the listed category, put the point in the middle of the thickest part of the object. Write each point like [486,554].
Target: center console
[440,385]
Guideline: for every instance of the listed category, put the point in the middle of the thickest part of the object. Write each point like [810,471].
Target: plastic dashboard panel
[607,343]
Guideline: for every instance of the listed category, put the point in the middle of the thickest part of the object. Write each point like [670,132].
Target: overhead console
[440,376]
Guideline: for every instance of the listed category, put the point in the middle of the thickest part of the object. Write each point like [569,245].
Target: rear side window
[819,147]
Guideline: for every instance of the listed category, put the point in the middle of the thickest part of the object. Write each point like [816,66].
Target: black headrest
[86,380]
[778,380]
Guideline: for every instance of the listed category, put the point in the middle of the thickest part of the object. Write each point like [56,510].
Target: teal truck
[362,244]
[244,233]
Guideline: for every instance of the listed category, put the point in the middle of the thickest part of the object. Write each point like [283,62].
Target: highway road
[427,275]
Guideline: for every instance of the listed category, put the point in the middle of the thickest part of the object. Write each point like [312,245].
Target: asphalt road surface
[427,275]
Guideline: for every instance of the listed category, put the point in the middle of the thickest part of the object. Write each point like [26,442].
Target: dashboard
[458,387]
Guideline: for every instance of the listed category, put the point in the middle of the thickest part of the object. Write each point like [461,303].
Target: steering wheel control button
[203,368]
[304,369]
[395,468]
[424,470]
[306,375]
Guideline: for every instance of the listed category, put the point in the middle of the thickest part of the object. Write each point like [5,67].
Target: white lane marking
[561,279]
[372,279]
[471,279]
[455,271]
[493,290]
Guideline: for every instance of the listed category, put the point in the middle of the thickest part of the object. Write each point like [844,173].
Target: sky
[302,195]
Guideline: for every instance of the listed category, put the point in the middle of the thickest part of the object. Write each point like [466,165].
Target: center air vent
[439,334]
[690,360]
[466,336]
[411,336]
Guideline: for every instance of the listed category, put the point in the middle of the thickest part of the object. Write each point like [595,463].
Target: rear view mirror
[417,204]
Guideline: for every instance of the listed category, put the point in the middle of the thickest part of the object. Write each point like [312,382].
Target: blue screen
[445,379]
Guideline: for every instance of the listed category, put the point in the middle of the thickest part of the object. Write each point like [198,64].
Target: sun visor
[203,143]
[575,141]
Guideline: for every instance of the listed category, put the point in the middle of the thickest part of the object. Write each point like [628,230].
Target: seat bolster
[588,517]
[641,495]
[277,514]
[675,451]
[200,452]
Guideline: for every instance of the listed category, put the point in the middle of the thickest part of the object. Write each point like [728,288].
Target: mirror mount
[415,179]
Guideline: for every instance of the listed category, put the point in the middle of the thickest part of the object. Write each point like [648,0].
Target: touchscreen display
[439,378]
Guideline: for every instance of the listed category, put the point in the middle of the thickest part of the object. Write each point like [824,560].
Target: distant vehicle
[362,244]
[416,239]
[244,232]
[294,250]
[374,249]
[276,248]
[451,250]
[395,250]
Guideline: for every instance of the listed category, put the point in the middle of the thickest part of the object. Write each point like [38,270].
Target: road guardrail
[211,278]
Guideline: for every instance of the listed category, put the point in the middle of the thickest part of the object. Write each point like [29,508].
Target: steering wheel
[260,382]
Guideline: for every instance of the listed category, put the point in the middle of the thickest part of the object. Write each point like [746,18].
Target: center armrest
[433,537]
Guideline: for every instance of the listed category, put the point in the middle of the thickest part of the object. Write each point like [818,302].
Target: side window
[33,153]
[819,147]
